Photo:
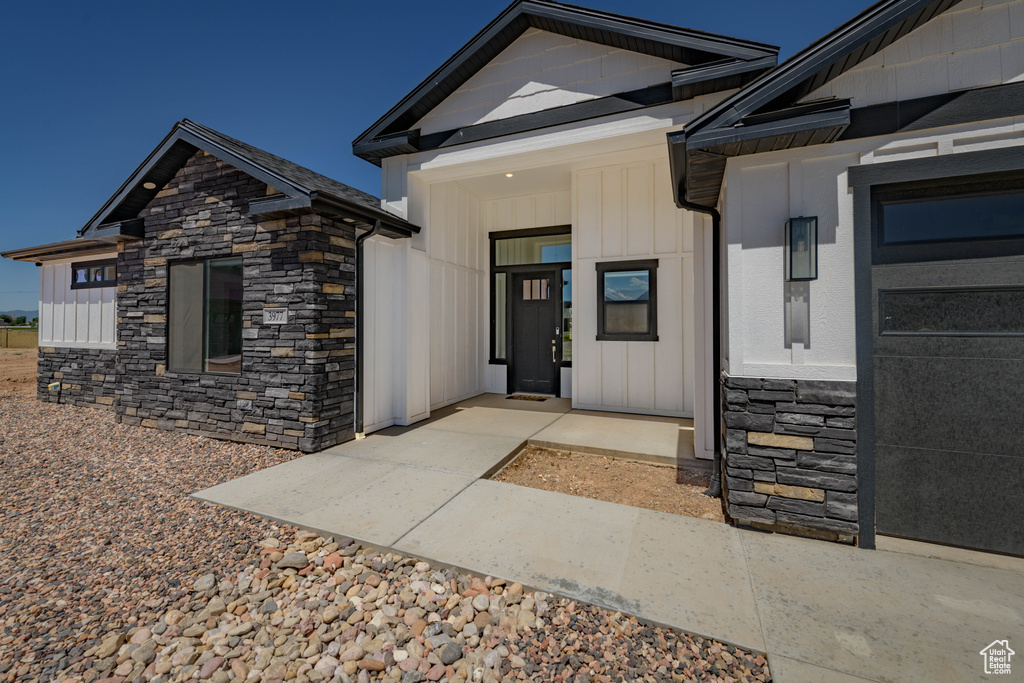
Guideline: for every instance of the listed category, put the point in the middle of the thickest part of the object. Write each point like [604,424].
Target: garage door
[948,354]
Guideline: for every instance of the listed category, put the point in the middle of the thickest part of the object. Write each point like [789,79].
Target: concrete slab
[376,502]
[639,437]
[945,552]
[503,402]
[786,670]
[687,573]
[879,615]
[474,419]
[475,455]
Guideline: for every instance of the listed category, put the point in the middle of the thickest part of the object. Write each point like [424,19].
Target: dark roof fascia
[724,74]
[935,111]
[412,141]
[697,163]
[571,113]
[831,117]
[391,225]
[679,44]
[181,133]
[135,180]
[921,113]
[131,229]
[80,246]
[185,139]
[858,39]
[279,206]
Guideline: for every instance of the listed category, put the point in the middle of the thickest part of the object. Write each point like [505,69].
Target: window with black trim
[949,218]
[522,251]
[94,274]
[627,301]
[204,317]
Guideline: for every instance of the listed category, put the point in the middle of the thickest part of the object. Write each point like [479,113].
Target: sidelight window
[627,305]
[205,316]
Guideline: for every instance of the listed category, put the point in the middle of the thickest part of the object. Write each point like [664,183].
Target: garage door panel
[949,347]
[964,404]
[982,508]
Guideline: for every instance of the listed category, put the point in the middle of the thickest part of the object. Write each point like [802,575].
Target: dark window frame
[980,185]
[509,270]
[202,331]
[651,266]
[93,264]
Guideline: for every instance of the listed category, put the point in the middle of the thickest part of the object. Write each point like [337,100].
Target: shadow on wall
[797,302]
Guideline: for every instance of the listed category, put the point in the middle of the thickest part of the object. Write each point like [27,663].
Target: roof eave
[79,247]
[698,161]
[520,16]
[329,205]
[817,62]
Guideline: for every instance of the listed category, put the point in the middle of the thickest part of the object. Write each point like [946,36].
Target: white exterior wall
[765,314]
[807,330]
[976,43]
[76,318]
[397,310]
[626,212]
[458,304]
[542,70]
[458,195]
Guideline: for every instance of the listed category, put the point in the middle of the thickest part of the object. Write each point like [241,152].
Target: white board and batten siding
[542,70]
[458,303]
[807,330]
[627,212]
[75,318]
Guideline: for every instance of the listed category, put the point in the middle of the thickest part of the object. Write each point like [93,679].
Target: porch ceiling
[523,182]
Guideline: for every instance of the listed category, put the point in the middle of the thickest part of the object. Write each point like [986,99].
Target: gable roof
[767,113]
[301,188]
[390,135]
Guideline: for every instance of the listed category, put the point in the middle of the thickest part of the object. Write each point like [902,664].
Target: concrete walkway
[821,611]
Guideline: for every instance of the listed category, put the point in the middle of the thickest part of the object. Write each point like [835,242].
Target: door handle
[553,345]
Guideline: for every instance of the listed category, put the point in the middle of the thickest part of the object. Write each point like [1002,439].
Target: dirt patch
[18,372]
[653,487]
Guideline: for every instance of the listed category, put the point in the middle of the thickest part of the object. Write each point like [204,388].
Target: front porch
[425,466]
[418,490]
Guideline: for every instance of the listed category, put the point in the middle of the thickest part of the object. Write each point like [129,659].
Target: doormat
[527,397]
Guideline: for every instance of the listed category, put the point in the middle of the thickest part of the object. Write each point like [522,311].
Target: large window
[205,316]
[94,274]
[627,301]
[523,250]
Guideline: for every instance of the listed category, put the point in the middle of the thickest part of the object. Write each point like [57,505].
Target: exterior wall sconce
[802,249]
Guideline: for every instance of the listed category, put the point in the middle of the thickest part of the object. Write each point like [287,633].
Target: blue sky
[91,88]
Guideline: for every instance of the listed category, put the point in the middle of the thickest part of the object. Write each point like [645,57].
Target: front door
[535,333]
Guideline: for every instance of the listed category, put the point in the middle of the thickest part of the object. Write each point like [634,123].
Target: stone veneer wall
[88,376]
[790,454]
[296,388]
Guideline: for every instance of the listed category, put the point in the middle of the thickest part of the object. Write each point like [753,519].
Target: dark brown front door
[535,321]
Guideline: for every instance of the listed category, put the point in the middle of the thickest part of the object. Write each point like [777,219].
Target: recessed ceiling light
[149,186]
[509,175]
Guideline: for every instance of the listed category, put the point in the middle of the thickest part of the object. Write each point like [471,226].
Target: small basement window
[627,301]
[94,274]
[204,322]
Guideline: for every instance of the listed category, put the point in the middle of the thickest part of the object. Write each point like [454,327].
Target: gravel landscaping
[109,572]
